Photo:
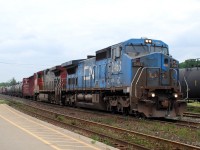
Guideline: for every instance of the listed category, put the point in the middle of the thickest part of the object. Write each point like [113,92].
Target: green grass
[108,121]
[198,134]
[3,101]
[60,118]
[94,139]
[194,104]
[193,107]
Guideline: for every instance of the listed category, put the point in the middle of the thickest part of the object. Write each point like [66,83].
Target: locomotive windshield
[136,50]
[163,50]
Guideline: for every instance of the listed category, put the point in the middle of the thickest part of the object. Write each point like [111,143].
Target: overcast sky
[38,34]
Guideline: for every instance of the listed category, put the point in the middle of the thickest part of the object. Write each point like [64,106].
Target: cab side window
[116,52]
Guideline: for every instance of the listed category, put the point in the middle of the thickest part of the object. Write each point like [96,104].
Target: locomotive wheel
[140,115]
[35,97]
[119,107]
[125,111]
[113,109]
[62,102]
[108,107]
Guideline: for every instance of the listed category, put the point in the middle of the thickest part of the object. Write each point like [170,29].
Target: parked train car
[189,79]
[136,76]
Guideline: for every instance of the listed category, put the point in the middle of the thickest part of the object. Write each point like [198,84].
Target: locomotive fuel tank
[190,82]
[86,97]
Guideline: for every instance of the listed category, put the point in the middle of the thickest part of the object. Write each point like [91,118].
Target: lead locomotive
[136,76]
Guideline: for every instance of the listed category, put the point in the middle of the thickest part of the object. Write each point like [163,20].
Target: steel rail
[192,115]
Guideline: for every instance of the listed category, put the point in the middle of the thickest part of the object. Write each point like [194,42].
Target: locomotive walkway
[21,132]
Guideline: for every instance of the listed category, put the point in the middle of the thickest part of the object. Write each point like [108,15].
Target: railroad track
[192,115]
[107,132]
[181,123]
[103,114]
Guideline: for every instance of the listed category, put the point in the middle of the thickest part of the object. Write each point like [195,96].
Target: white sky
[38,34]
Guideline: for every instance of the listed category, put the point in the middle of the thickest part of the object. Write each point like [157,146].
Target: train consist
[189,78]
[137,76]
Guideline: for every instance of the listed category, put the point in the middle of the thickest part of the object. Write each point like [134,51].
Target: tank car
[15,90]
[8,91]
[137,76]
[189,79]
[3,90]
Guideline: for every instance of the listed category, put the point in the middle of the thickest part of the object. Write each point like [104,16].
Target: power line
[10,63]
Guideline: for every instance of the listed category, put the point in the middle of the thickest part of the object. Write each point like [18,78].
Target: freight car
[137,76]
[15,90]
[3,90]
[189,79]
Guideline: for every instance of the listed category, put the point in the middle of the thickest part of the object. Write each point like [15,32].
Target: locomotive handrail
[176,73]
[187,87]
[176,78]
[134,80]
[179,85]
[140,76]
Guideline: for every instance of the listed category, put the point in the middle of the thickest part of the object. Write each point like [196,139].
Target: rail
[192,115]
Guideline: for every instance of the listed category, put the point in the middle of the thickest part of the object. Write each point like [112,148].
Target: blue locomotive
[137,76]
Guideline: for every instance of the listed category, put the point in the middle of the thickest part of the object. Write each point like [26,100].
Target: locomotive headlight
[148,41]
[153,94]
[175,95]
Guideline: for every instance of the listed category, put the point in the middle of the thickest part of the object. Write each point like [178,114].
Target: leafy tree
[9,83]
[13,81]
[182,65]
[190,63]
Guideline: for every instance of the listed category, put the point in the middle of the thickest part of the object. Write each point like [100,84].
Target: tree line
[190,63]
[9,83]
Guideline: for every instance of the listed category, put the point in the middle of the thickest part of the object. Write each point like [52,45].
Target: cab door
[115,65]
